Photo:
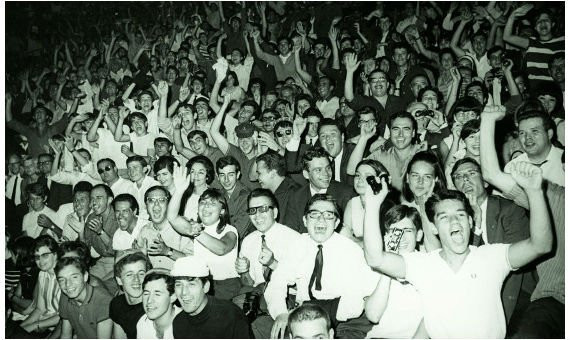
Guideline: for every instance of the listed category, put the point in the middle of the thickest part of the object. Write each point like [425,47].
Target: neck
[545,37]
[106,213]
[131,227]
[165,320]
[113,181]
[455,261]
[201,308]
[161,225]
[315,188]
[539,158]
[403,153]
[132,300]
[403,69]
[276,184]
[82,296]
[140,181]
[200,190]
[481,198]
[41,126]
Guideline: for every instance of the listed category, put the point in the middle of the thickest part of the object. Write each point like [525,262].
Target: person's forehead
[417,106]
[322,206]
[449,205]
[259,201]
[81,195]
[161,144]
[146,96]
[228,169]
[319,162]
[134,164]
[429,93]
[419,79]
[422,167]
[122,205]
[134,266]
[198,166]
[69,270]
[402,122]
[157,193]
[402,224]
[328,129]
[196,138]
[156,285]
[530,123]
[466,167]
[477,88]
[284,128]
[313,119]
[44,159]
[367,116]
[543,16]
[377,74]
[98,192]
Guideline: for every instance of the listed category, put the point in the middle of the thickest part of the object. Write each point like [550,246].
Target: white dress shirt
[279,239]
[10,188]
[147,183]
[30,223]
[337,163]
[146,330]
[123,186]
[123,240]
[170,237]
[552,169]
[345,274]
[328,107]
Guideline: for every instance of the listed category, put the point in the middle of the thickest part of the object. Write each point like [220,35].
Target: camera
[425,113]
[376,187]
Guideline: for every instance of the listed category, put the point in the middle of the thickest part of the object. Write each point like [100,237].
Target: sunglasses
[107,168]
[283,133]
[262,209]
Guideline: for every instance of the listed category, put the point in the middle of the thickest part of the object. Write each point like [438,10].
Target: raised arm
[358,152]
[508,35]
[302,73]
[454,88]
[128,92]
[215,133]
[465,18]
[219,45]
[119,135]
[388,263]
[529,177]
[333,33]
[92,135]
[177,136]
[351,62]
[268,58]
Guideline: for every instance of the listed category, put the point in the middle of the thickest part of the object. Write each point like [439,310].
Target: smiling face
[164,177]
[320,173]
[138,125]
[321,229]
[100,202]
[110,175]
[324,88]
[331,139]
[453,225]
[548,101]
[132,277]
[402,132]
[162,149]
[45,259]
[262,220]
[156,299]
[191,294]
[477,93]
[246,144]
[472,143]
[378,84]
[421,178]
[228,176]
[401,56]
[136,171]
[210,210]
[156,205]
[265,176]
[283,135]
[418,82]
[269,121]
[71,281]
[429,98]
[198,144]
[543,25]
[145,101]
[302,106]
[535,139]
[201,110]
[198,174]
[124,214]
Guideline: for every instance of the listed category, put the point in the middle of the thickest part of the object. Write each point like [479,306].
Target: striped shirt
[537,56]
[50,291]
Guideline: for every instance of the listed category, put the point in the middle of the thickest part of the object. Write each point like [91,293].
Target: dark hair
[368,110]
[49,155]
[465,104]
[435,90]
[81,248]
[401,45]
[437,197]
[540,12]
[222,162]
[127,198]
[165,162]
[430,158]
[546,120]
[136,114]
[274,161]
[552,89]
[70,261]
[210,176]
[137,158]
[446,50]
[331,122]
[471,127]
[106,188]
[233,75]
[494,49]
[109,160]
[378,167]
[309,312]
[462,161]
[158,275]
[312,153]
[23,249]
[306,97]
[282,124]
[398,213]
[322,197]
[157,187]
[216,194]
[554,57]
[128,259]
[260,192]
[163,140]
[195,133]
[46,241]
[483,89]
[39,189]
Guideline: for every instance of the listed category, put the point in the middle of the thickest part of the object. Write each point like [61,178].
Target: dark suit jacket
[295,162]
[507,223]
[283,194]
[237,205]
[294,217]
[58,194]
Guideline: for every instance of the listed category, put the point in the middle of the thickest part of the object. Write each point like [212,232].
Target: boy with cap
[204,316]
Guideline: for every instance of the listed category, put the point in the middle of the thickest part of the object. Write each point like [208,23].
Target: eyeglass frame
[260,209]
[322,214]
[105,169]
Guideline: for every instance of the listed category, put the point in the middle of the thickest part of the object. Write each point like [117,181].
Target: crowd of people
[284,169]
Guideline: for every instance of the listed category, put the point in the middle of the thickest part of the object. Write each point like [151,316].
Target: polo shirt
[123,240]
[146,330]
[85,317]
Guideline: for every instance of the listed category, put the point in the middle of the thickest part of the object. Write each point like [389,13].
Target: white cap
[191,266]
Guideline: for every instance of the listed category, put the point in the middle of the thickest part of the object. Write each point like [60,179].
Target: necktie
[266,269]
[317,273]
[13,196]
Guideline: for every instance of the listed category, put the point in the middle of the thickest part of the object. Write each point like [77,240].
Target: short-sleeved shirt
[84,318]
[141,144]
[146,330]
[466,303]
[170,237]
[222,267]
[126,315]
[396,167]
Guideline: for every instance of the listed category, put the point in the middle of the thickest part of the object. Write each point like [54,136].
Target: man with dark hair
[38,220]
[325,266]
[465,305]
[199,145]
[74,224]
[126,309]
[58,193]
[272,175]
[101,226]
[204,316]
[497,220]
[84,309]
[110,175]
[228,172]
[158,302]
[556,69]
[129,220]
[328,103]
[536,130]
[139,171]
[310,321]
[318,172]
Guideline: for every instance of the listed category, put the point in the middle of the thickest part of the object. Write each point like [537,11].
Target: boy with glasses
[325,267]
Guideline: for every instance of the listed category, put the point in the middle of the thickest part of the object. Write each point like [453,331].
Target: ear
[119,281]
[305,221]
[336,223]
[86,277]
[306,174]
[331,333]
[172,298]
[238,174]
[433,228]
[275,212]
[419,235]
[206,287]
[470,222]
[550,134]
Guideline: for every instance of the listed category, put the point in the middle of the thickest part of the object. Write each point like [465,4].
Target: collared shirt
[87,174]
[328,107]
[337,164]
[152,115]
[146,330]
[484,220]
[30,223]
[311,141]
[147,183]
[314,192]
[552,169]
[17,180]
[109,148]
[96,241]
[123,240]
[343,266]
[123,186]
[396,167]
[171,238]
[243,72]
[279,238]
[85,317]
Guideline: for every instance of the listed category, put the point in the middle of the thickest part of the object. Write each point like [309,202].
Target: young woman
[469,135]
[22,258]
[232,89]
[44,315]
[215,240]
[354,212]
[201,172]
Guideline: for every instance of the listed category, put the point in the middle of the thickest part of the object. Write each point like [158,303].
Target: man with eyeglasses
[318,172]
[101,225]
[261,252]
[325,266]
[110,176]
[158,239]
[379,99]
[497,220]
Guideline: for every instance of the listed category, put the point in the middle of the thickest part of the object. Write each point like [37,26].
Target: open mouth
[457,236]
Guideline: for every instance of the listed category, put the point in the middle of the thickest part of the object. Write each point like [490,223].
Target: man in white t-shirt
[158,302]
[126,211]
[37,221]
[460,285]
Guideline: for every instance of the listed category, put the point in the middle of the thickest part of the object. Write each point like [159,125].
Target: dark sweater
[218,320]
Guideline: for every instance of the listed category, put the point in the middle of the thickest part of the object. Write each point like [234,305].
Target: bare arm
[508,35]
[218,138]
[104,329]
[302,73]
[351,62]
[118,332]
[119,135]
[455,39]
[219,247]
[66,329]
